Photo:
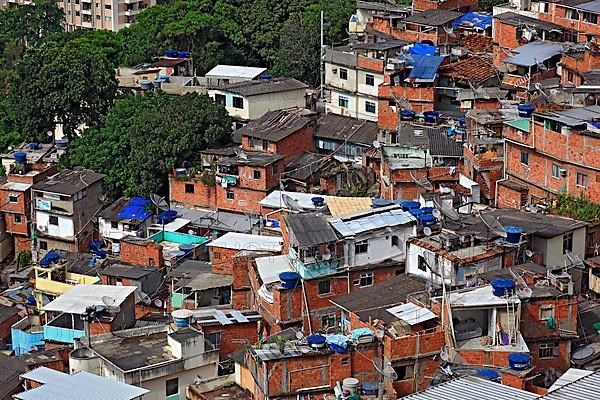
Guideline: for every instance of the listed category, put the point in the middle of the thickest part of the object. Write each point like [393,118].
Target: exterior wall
[110,15]
[333,106]
[291,146]
[257,106]
[5,327]
[204,195]
[380,246]
[557,14]
[144,253]
[158,386]
[509,197]
[64,230]
[453,5]
[420,98]
[233,337]
[245,200]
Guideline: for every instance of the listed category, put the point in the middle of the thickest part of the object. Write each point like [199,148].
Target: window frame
[189,188]
[367,276]
[542,311]
[256,174]
[369,79]
[324,281]
[17,218]
[567,242]
[584,182]
[343,74]
[524,158]
[217,336]
[169,386]
[361,247]
[12,196]
[237,99]
[369,104]
[229,194]
[343,101]
[221,99]
[114,224]
[53,218]
[548,350]
[556,168]
[329,317]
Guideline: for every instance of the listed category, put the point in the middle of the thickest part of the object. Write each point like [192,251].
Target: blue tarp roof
[422,49]
[136,208]
[474,20]
[424,67]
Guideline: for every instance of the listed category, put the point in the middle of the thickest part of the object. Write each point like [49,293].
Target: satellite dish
[529,253]
[144,298]
[379,334]
[389,372]
[158,303]
[101,198]
[493,224]
[110,306]
[299,335]
[376,144]
[444,354]
[447,210]
[159,202]
[240,153]
[436,213]
[291,203]
[50,133]
[427,231]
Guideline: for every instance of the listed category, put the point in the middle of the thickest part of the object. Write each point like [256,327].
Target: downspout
[306,305]
[505,178]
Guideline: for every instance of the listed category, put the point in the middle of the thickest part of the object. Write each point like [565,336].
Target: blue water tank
[488,374]
[146,85]
[182,317]
[183,54]
[518,361]
[428,210]
[101,254]
[525,110]
[61,143]
[188,249]
[288,279]
[96,245]
[416,212]
[158,83]
[427,219]
[410,205]
[266,76]
[407,115]
[502,286]
[431,116]
[513,234]
[318,201]
[316,341]
[20,157]
[34,146]
[171,53]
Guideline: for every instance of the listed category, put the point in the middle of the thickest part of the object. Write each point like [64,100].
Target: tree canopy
[145,137]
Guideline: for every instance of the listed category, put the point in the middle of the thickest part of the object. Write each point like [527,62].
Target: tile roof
[433,17]
[477,43]
[254,88]
[346,205]
[276,125]
[310,230]
[478,69]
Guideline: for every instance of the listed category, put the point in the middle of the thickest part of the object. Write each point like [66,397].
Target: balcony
[312,267]
[64,329]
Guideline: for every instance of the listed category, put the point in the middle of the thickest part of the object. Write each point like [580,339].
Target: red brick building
[426,25]
[446,5]
[556,152]
[138,251]
[577,61]
[579,19]
[287,132]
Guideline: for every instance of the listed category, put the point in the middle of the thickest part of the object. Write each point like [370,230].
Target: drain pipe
[306,305]
[505,178]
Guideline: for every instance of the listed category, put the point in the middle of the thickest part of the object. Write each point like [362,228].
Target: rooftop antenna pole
[321,61]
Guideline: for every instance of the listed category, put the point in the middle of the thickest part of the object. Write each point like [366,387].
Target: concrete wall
[256,106]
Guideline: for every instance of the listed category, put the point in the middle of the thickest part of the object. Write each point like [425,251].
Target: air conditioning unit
[43,228]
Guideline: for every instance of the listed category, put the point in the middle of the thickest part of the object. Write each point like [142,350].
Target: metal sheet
[239,317]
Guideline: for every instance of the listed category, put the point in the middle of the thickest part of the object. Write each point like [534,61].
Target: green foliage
[576,207]
[23,258]
[488,5]
[59,82]
[144,138]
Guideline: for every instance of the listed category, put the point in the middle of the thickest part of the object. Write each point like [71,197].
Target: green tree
[59,83]
[144,137]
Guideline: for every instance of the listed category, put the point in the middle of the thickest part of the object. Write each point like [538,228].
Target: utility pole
[321,61]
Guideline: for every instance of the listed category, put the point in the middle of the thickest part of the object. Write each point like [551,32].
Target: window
[108,6]
[328,321]
[361,247]
[395,240]
[343,101]
[572,14]
[189,188]
[524,158]
[114,224]
[172,386]
[590,18]
[366,279]
[17,219]
[370,107]
[369,80]
[274,169]
[43,245]
[220,99]
[548,350]
[13,198]
[544,8]
[422,265]
[265,145]
[343,74]
[345,361]
[556,171]
[238,102]
[568,242]
[570,76]
[404,371]
[214,338]
[53,220]
[230,194]
[546,311]
[324,287]
[582,179]
[256,174]
[98,17]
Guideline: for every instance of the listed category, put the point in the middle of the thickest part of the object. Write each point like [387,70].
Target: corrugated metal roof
[471,388]
[592,6]
[269,268]
[244,241]
[424,67]
[521,124]
[573,117]
[43,375]
[384,218]
[234,71]
[275,199]
[535,52]
[411,313]
[584,388]
[79,297]
[308,230]
[570,376]
[80,386]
